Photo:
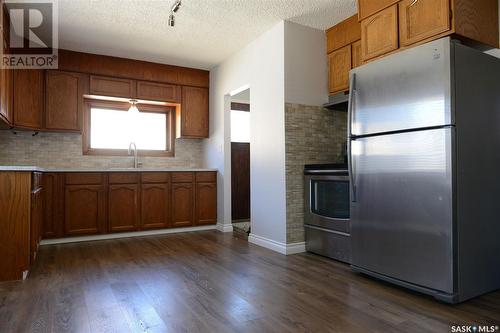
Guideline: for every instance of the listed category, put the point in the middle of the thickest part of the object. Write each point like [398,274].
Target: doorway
[240,164]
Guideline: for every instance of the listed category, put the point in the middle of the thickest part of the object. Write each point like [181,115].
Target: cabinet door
[356,54]
[193,115]
[182,205]
[84,209]
[421,19]
[28,98]
[114,87]
[379,33]
[343,34]
[339,65]
[155,206]
[6,95]
[123,212]
[36,222]
[206,203]
[64,100]
[158,92]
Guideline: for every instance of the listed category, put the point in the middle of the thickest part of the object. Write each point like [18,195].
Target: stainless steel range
[327,213]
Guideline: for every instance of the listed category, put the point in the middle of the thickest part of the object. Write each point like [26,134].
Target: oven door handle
[350,110]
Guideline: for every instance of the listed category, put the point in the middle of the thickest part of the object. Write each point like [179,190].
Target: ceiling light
[171,20]
[133,107]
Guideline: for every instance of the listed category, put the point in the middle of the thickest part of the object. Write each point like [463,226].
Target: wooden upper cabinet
[64,100]
[123,207]
[192,118]
[367,8]
[379,33]
[477,20]
[206,203]
[342,34]
[158,92]
[29,85]
[84,209]
[356,54]
[421,19]
[339,65]
[6,94]
[114,87]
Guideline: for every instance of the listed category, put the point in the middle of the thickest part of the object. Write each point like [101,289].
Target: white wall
[260,65]
[306,75]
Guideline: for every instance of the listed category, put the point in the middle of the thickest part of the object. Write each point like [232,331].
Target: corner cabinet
[192,116]
[64,100]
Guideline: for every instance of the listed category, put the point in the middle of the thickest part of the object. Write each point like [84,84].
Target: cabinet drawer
[84,178]
[156,177]
[182,177]
[206,177]
[158,92]
[342,34]
[110,86]
[123,178]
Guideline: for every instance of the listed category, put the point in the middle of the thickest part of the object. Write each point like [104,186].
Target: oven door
[327,202]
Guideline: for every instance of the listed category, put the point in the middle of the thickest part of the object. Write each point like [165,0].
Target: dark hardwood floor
[213,282]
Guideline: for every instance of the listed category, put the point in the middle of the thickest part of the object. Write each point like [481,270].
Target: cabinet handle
[413,3]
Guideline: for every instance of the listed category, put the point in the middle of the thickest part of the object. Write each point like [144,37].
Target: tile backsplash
[64,150]
[313,135]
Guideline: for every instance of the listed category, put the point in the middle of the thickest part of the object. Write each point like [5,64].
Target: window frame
[124,106]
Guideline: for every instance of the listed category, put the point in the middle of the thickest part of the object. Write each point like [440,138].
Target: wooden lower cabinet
[84,207]
[123,207]
[155,206]
[206,203]
[182,204]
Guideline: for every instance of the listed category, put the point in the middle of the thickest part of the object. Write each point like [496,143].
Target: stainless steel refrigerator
[424,163]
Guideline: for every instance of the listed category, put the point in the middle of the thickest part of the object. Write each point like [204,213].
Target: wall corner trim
[224,227]
[286,249]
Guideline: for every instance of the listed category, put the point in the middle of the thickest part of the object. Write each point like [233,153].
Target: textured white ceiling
[206,31]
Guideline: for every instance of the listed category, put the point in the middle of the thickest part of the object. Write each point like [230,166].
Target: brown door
[240,181]
[84,209]
[206,203]
[339,65]
[28,98]
[182,204]
[422,19]
[64,100]
[379,33]
[194,113]
[155,206]
[123,209]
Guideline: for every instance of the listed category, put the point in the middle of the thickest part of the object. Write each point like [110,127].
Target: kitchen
[96,238]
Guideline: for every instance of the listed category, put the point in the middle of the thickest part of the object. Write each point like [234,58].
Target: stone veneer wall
[312,135]
[64,150]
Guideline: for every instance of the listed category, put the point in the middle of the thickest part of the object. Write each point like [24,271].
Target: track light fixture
[173,10]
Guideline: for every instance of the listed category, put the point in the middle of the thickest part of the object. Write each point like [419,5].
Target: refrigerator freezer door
[407,90]
[401,222]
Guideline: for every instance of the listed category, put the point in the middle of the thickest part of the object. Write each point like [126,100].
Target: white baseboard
[224,227]
[286,249]
[125,235]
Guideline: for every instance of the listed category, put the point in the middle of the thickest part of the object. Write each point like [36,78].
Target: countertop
[37,169]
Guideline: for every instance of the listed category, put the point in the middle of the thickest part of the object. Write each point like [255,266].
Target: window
[240,126]
[109,129]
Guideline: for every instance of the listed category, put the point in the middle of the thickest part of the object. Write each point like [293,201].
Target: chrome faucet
[134,147]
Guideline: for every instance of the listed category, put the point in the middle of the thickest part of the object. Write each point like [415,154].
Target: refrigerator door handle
[350,109]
